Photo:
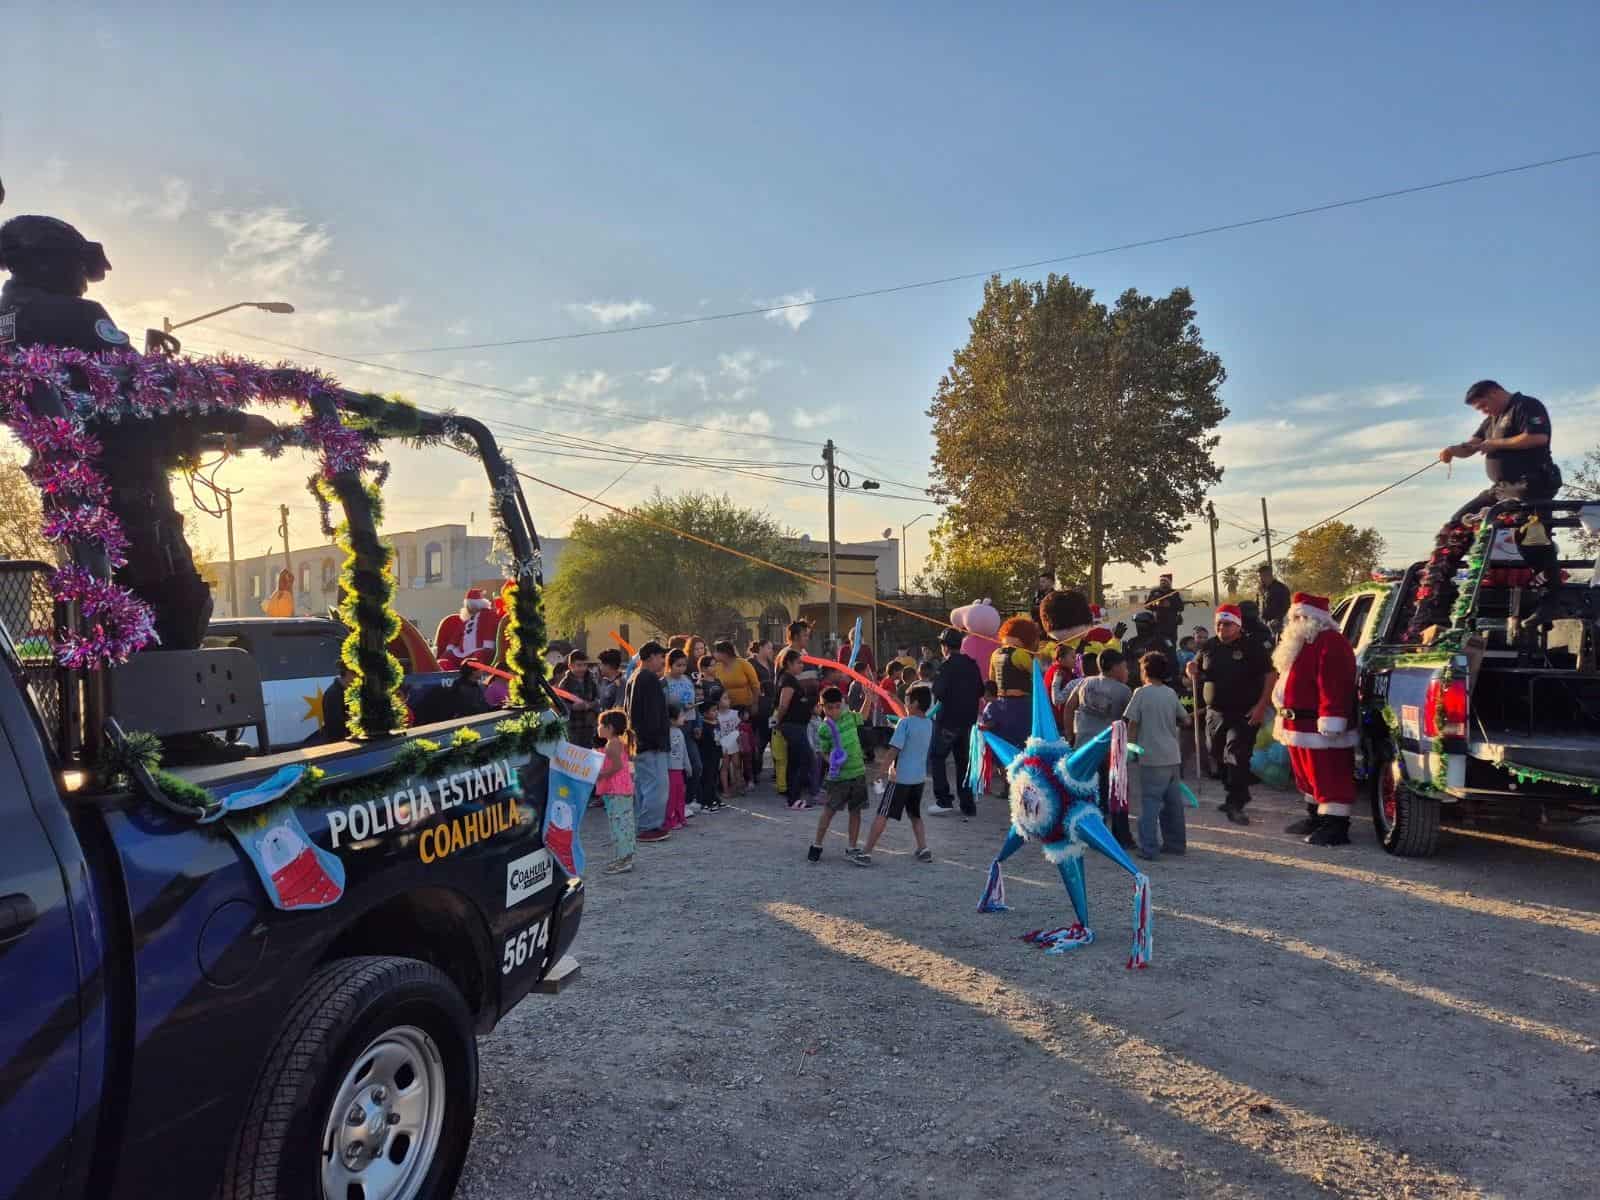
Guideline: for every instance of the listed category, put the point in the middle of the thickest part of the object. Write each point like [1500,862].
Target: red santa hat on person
[1229,614]
[474,601]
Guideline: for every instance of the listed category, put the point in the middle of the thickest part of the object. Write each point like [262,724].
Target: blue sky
[505,170]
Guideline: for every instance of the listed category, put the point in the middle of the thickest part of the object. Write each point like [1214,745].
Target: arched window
[330,571]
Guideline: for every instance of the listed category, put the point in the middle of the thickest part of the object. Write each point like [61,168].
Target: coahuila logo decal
[527,875]
[417,801]
[469,829]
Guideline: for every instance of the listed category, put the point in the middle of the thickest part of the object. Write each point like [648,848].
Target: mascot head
[1065,610]
[980,617]
[1020,631]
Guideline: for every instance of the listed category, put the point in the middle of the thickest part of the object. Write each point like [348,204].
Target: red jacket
[1316,696]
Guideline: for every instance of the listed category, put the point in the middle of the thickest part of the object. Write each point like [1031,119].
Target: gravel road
[1315,1023]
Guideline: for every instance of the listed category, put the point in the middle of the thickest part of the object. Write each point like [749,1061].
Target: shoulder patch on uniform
[8,328]
[106,330]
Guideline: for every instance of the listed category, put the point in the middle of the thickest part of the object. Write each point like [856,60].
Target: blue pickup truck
[178,1020]
[1497,716]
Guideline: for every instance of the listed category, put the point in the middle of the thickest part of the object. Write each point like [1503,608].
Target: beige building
[434,567]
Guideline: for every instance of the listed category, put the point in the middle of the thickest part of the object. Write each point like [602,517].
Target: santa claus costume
[1316,701]
[468,634]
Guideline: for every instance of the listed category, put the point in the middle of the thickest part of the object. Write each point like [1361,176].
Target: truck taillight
[1446,702]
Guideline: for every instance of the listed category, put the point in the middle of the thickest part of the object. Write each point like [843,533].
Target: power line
[771,309]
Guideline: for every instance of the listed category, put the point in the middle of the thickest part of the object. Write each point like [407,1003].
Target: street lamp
[271,306]
[904,567]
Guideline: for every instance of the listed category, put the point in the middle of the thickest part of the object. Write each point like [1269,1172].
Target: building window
[434,568]
[329,571]
[255,587]
[305,577]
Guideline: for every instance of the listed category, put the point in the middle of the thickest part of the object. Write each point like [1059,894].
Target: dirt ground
[1315,1022]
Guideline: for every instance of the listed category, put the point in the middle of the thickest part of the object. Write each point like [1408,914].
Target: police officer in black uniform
[1514,439]
[1234,677]
[1146,638]
[51,266]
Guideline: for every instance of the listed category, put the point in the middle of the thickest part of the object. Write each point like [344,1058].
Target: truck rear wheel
[1407,822]
[369,1091]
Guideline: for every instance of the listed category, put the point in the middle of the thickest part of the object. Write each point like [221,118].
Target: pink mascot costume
[468,634]
[980,621]
[1316,701]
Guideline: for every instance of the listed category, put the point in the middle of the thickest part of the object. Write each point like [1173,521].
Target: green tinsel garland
[1477,562]
[367,608]
[1524,774]
[525,642]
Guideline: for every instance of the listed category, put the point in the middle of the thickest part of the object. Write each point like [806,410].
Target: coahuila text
[418,801]
[452,837]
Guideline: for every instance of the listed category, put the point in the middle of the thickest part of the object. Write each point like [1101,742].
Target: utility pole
[233,571]
[1211,525]
[283,532]
[1266,532]
[833,565]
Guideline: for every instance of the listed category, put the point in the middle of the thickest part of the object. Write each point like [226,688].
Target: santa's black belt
[1297,714]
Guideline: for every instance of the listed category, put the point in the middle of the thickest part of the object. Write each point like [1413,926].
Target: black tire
[1405,820]
[343,1007]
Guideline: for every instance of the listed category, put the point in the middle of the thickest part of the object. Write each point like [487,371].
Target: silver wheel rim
[382,1133]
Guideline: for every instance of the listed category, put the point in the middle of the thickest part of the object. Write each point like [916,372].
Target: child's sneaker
[924,855]
[861,858]
[852,851]
[621,867]
[693,809]
[814,854]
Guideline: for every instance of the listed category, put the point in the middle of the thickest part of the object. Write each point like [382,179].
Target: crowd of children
[826,729]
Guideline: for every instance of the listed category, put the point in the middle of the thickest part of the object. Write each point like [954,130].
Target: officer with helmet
[43,304]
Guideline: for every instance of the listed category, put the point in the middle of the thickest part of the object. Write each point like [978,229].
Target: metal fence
[28,613]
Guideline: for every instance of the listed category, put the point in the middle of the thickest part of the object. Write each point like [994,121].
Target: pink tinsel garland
[109,387]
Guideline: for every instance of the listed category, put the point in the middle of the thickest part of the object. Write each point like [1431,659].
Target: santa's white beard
[1299,631]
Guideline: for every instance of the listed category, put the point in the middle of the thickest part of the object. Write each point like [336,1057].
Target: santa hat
[1310,607]
[475,599]
[1229,613]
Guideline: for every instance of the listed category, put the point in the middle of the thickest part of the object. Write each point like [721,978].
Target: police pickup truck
[204,1000]
[1497,717]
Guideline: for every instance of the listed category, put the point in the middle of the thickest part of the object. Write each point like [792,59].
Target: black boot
[1330,831]
[1307,825]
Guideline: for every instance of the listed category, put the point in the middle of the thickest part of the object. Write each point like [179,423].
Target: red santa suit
[468,634]
[1316,701]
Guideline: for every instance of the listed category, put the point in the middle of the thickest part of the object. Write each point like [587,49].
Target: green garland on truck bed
[366,606]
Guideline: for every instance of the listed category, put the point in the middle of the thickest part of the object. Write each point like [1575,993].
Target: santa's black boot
[1308,824]
[1330,831]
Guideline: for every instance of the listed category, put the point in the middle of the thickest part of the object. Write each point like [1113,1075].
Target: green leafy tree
[961,569]
[1230,582]
[1583,483]
[1069,431]
[624,563]
[19,515]
[1332,557]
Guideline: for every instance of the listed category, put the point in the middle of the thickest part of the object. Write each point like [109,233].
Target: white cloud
[586,387]
[1383,395]
[170,204]
[610,312]
[745,365]
[792,309]
[1247,444]
[1390,435]
[269,245]
[361,316]
[811,418]
[660,374]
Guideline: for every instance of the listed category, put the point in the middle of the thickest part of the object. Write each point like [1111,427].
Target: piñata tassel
[977,761]
[994,892]
[1189,797]
[1143,934]
[1118,800]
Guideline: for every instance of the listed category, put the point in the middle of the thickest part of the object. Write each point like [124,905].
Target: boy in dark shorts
[844,770]
[908,773]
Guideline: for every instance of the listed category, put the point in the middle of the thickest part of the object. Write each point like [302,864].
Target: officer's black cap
[21,235]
